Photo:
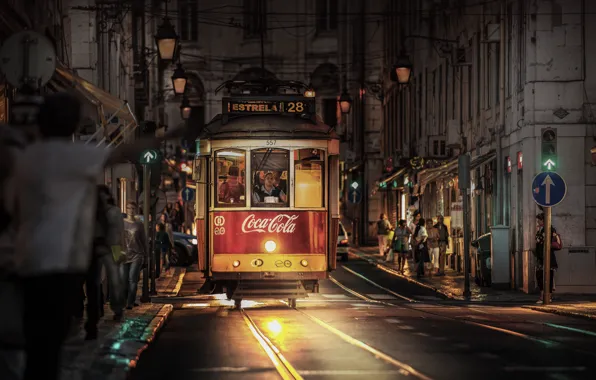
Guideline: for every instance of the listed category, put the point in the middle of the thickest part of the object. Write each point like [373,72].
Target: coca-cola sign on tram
[247,231]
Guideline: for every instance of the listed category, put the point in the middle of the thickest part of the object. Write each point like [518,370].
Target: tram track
[282,365]
[544,342]
[287,370]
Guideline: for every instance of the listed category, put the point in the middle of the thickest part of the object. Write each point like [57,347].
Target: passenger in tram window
[232,190]
[268,189]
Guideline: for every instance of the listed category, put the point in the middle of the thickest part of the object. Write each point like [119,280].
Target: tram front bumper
[274,266]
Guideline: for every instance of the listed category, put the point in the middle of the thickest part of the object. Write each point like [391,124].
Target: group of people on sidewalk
[57,230]
[427,243]
[424,241]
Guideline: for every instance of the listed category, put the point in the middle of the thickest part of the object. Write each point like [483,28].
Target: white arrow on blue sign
[548,189]
[354,196]
[188,194]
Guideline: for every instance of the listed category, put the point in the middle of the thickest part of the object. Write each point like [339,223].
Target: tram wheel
[292,302]
[238,303]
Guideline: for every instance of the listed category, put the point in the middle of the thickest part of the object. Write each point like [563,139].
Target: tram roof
[267,126]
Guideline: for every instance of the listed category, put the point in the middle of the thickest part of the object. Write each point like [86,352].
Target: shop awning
[451,168]
[396,174]
[112,113]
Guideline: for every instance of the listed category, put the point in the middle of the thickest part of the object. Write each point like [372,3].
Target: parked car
[185,250]
[342,243]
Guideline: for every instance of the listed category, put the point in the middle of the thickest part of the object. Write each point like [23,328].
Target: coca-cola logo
[281,224]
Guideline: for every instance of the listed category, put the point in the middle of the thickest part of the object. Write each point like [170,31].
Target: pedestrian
[54,203]
[107,253]
[12,340]
[178,217]
[433,246]
[383,228]
[443,243]
[135,246]
[400,244]
[539,254]
[162,246]
[421,256]
[163,219]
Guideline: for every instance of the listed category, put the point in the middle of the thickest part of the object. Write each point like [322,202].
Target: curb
[176,290]
[388,269]
[545,309]
[119,364]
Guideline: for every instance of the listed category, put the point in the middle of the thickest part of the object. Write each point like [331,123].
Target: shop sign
[457,215]
[247,231]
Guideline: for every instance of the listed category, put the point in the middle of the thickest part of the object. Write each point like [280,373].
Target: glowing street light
[179,80]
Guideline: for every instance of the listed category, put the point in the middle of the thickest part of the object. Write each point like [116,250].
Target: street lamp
[479,188]
[185,108]
[402,70]
[166,40]
[179,80]
[345,102]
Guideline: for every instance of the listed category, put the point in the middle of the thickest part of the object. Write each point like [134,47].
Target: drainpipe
[500,209]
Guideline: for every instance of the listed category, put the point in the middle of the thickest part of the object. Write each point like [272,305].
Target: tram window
[308,173]
[230,170]
[270,177]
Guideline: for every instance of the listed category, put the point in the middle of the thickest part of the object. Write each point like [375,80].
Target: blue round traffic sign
[548,189]
[188,194]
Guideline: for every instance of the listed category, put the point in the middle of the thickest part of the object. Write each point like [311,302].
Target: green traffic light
[550,164]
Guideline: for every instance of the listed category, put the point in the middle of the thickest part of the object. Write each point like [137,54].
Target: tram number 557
[271,142]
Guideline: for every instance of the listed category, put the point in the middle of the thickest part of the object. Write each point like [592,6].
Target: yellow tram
[267,173]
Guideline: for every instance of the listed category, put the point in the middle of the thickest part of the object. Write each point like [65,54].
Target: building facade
[487,80]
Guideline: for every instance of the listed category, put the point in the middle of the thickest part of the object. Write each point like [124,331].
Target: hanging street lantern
[402,70]
[345,102]
[179,80]
[185,108]
[166,40]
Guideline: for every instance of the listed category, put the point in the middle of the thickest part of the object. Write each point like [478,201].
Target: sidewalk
[119,344]
[452,284]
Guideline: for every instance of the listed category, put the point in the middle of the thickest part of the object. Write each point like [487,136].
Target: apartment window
[470,96]
[497,75]
[326,15]
[521,45]
[509,57]
[440,100]
[330,112]
[255,17]
[189,22]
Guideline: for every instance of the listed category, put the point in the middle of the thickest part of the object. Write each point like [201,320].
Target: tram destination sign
[269,105]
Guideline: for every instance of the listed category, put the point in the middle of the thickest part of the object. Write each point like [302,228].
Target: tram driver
[268,189]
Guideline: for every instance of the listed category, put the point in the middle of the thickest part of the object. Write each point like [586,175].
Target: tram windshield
[270,178]
[230,168]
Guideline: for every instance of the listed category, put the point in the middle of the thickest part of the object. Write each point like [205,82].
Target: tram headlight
[236,263]
[270,246]
[304,263]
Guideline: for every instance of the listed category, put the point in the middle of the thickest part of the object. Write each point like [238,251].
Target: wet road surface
[366,323]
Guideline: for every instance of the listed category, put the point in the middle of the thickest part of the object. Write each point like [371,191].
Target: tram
[267,172]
